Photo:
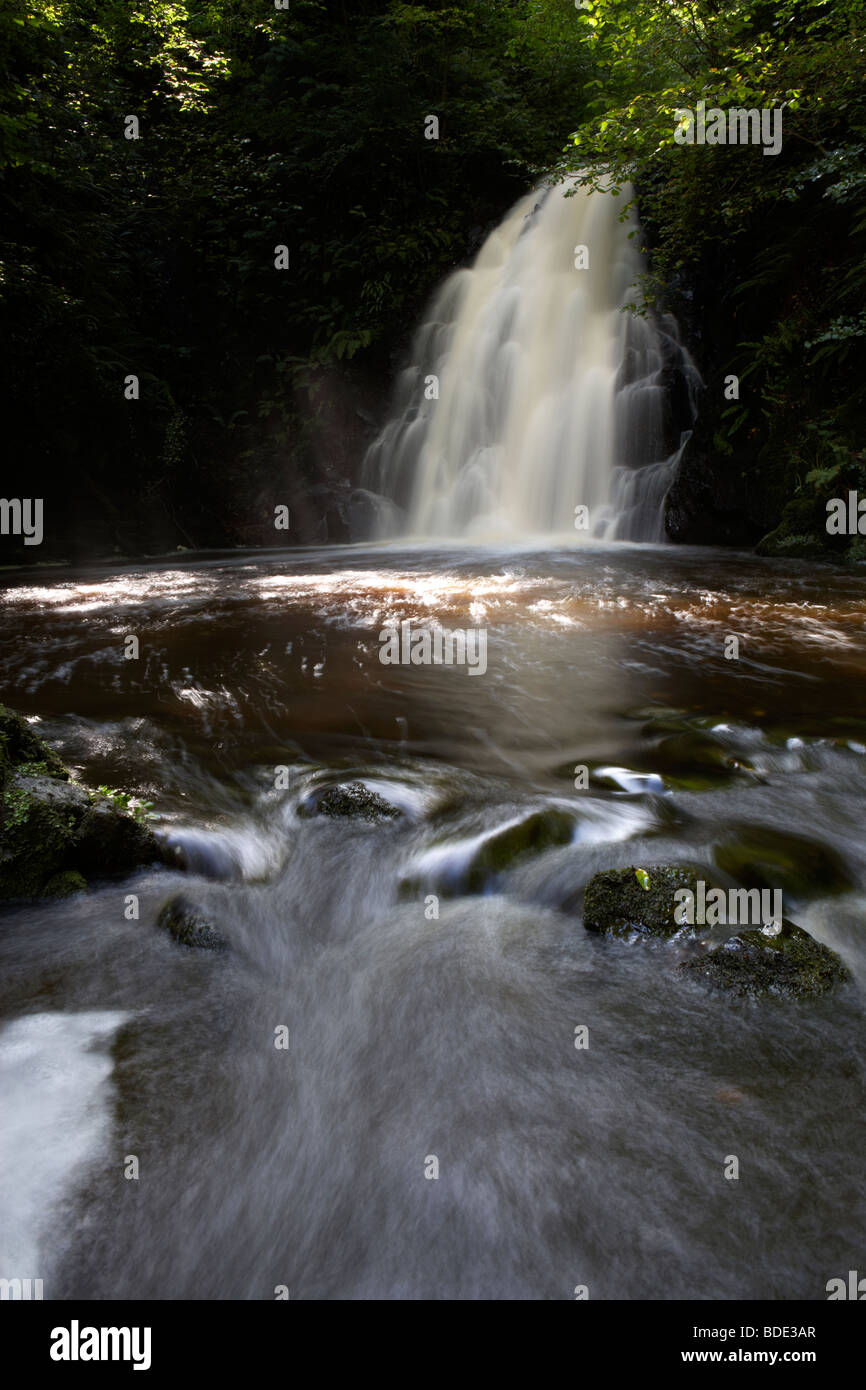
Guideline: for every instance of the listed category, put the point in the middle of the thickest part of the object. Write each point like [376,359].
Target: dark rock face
[708,502]
[109,842]
[779,958]
[52,831]
[190,925]
[355,801]
[622,901]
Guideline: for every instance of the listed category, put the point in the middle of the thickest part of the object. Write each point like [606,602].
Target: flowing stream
[451,1037]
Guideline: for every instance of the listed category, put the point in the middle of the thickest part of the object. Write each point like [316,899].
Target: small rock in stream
[354,800]
[189,924]
[622,901]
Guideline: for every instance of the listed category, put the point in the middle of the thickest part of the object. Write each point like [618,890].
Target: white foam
[55,1100]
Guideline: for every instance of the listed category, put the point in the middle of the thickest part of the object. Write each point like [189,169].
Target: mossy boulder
[694,760]
[190,925]
[51,827]
[65,885]
[621,902]
[778,958]
[22,750]
[801,533]
[40,817]
[354,801]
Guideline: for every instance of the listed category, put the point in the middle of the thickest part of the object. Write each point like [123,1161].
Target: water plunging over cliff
[532,394]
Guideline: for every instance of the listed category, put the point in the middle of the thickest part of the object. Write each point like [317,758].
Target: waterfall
[533,393]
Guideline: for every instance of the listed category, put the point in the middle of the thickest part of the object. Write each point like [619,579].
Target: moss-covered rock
[778,958]
[802,532]
[623,901]
[40,816]
[22,750]
[536,832]
[355,801]
[694,760]
[51,827]
[190,925]
[474,865]
[64,885]
[765,857]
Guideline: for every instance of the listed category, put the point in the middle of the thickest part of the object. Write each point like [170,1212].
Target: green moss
[21,749]
[617,901]
[539,831]
[779,959]
[50,826]
[36,840]
[65,884]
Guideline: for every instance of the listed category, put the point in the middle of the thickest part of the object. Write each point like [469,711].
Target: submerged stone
[636,899]
[539,831]
[779,958]
[190,925]
[772,858]
[474,863]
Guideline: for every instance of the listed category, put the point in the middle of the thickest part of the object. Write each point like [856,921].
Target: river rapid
[412,1036]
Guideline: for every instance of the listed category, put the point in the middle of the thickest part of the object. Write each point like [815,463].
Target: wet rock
[355,801]
[110,842]
[636,899]
[50,826]
[779,958]
[769,858]
[801,532]
[67,799]
[693,760]
[65,885]
[40,816]
[189,924]
[22,750]
[539,831]
[474,863]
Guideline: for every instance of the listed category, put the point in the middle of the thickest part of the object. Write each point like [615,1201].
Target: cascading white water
[531,392]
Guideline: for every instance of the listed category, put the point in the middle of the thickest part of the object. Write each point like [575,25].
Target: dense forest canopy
[306,126]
